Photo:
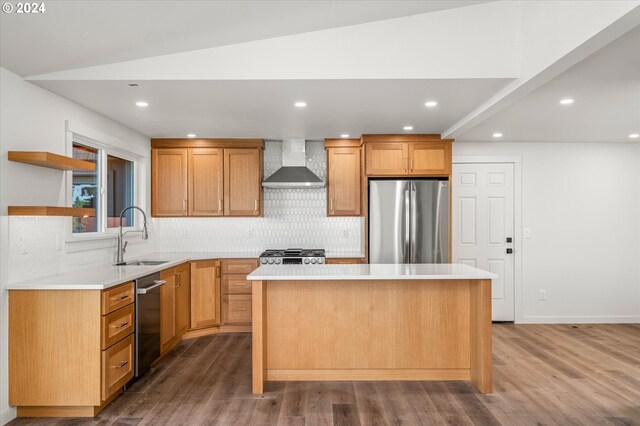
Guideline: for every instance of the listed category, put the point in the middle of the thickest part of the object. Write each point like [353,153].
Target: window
[119,191]
[109,189]
[84,189]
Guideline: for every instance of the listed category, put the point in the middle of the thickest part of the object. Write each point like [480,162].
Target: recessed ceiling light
[300,104]
[191,135]
[408,127]
[430,104]
[142,104]
[497,135]
[634,135]
[566,101]
[344,135]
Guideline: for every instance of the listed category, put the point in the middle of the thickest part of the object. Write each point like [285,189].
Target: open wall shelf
[50,160]
[50,211]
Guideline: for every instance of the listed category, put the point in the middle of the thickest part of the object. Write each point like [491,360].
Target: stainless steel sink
[142,263]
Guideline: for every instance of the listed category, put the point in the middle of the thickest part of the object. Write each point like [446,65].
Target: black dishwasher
[147,322]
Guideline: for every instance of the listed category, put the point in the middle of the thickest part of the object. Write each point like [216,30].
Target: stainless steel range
[293,257]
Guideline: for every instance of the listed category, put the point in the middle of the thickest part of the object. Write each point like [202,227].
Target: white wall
[34,119]
[582,204]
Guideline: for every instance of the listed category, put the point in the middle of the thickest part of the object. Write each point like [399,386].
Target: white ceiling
[606,90]
[523,104]
[74,34]
[265,108]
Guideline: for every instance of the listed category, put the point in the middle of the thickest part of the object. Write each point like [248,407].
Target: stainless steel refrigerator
[409,221]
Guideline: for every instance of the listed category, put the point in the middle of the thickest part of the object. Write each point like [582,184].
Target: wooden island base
[372,330]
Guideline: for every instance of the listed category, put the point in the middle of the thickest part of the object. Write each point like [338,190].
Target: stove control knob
[278,261]
[271,261]
[313,260]
[263,261]
[321,261]
[306,260]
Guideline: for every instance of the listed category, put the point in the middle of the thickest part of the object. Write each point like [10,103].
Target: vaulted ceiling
[235,69]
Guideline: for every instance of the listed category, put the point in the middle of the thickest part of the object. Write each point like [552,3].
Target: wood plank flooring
[543,375]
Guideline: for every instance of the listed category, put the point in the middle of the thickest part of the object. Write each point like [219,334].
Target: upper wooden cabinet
[344,177]
[169,182]
[433,158]
[387,159]
[205,181]
[242,182]
[415,155]
[206,177]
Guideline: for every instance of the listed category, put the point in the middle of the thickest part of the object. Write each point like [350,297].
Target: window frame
[103,232]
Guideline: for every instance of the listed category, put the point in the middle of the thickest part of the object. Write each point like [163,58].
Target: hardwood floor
[543,375]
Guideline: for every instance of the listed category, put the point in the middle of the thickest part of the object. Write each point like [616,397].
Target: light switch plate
[526,233]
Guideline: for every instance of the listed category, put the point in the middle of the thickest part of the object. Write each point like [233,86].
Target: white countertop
[107,275]
[444,271]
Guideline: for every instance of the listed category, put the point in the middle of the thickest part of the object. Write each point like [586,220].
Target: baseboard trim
[580,320]
[368,374]
[7,415]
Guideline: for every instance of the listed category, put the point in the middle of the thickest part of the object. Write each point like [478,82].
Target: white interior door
[483,227]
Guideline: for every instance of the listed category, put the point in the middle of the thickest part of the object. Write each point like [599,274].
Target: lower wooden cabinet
[70,351]
[344,260]
[183,302]
[205,293]
[117,366]
[174,306]
[237,309]
[236,293]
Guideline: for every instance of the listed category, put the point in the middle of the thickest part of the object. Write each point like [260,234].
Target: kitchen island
[371,322]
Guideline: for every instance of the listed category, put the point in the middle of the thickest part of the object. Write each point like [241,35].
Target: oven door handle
[156,283]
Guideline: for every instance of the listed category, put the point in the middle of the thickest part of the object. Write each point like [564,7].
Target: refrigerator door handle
[413,224]
[407,227]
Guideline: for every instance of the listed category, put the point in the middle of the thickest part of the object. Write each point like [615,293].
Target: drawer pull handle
[122,364]
[240,309]
[240,284]
[124,324]
[126,296]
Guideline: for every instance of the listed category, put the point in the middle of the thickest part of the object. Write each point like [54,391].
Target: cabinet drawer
[237,308]
[345,261]
[239,266]
[117,366]
[236,283]
[117,325]
[117,297]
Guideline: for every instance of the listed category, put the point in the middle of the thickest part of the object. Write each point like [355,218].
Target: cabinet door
[167,310]
[432,158]
[205,182]
[344,177]
[242,182]
[182,299]
[387,159]
[169,182]
[205,293]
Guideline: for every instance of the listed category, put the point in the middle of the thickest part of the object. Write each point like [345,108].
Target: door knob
[509,250]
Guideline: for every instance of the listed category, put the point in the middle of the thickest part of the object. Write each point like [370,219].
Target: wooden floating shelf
[51,160]
[50,211]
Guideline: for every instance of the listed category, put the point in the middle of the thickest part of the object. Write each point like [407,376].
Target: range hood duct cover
[293,173]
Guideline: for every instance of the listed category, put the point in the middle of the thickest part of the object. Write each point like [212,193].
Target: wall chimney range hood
[293,173]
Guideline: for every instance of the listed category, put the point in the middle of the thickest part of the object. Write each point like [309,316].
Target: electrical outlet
[185,233]
[345,233]
[251,233]
[526,233]
[543,295]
